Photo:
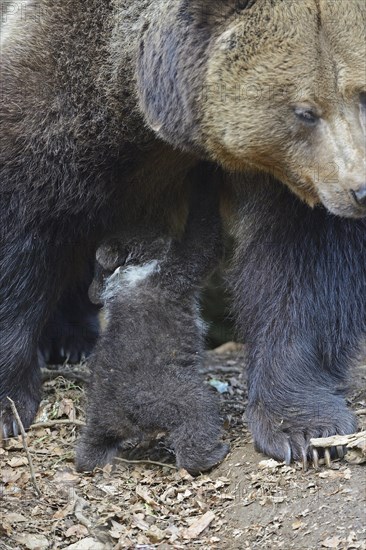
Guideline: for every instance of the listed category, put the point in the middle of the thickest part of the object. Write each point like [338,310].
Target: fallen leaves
[144,505]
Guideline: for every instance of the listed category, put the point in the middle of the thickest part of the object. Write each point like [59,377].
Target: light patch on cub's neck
[133,275]
[127,277]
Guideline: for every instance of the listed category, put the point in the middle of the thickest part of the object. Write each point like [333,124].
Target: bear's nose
[360,195]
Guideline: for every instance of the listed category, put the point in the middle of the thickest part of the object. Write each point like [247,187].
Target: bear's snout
[359,195]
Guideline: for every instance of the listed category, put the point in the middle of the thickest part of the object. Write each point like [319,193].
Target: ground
[247,502]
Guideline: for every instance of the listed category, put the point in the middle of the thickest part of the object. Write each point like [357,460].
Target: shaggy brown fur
[145,369]
[110,107]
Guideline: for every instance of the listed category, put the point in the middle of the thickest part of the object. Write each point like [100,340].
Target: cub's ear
[112,254]
[172,61]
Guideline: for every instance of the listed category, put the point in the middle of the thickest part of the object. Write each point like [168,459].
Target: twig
[360,412]
[154,462]
[24,439]
[51,423]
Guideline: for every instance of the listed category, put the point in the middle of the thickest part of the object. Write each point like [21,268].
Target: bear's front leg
[292,399]
[20,382]
[299,284]
[23,308]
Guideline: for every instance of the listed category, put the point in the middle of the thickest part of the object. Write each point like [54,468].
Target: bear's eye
[244,4]
[363,99]
[306,115]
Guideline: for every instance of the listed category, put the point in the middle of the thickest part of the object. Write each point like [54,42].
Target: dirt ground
[247,502]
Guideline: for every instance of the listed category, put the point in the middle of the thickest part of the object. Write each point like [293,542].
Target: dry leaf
[10,476]
[13,517]
[77,530]
[66,408]
[66,477]
[116,530]
[270,463]
[155,534]
[334,474]
[32,542]
[333,542]
[141,492]
[86,544]
[15,462]
[63,512]
[138,520]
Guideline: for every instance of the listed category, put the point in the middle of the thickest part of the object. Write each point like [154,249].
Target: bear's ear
[172,61]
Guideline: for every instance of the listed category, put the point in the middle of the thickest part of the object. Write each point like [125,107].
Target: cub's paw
[90,455]
[287,437]
[95,449]
[196,461]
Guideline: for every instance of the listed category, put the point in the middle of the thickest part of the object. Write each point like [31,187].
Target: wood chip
[350,440]
[199,525]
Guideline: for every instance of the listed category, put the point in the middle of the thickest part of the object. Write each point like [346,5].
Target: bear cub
[145,369]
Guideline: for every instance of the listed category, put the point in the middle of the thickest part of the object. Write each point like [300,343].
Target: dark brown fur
[109,108]
[145,368]
[299,284]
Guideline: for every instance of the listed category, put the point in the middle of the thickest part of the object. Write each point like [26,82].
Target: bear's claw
[330,454]
[287,438]
[27,403]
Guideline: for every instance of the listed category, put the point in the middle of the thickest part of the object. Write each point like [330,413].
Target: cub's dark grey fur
[145,368]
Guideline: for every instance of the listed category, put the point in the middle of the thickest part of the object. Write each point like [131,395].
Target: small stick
[221,370]
[360,412]
[51,423]
[154,462]
[24,439]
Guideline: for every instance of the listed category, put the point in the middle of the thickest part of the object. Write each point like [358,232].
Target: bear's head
[272,85]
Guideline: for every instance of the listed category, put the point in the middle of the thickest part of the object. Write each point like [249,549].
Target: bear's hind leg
[71,332]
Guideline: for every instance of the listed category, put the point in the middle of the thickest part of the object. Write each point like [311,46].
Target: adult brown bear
[110,108]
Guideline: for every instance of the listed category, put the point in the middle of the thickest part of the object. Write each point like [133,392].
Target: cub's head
[274,85]
[286,93]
